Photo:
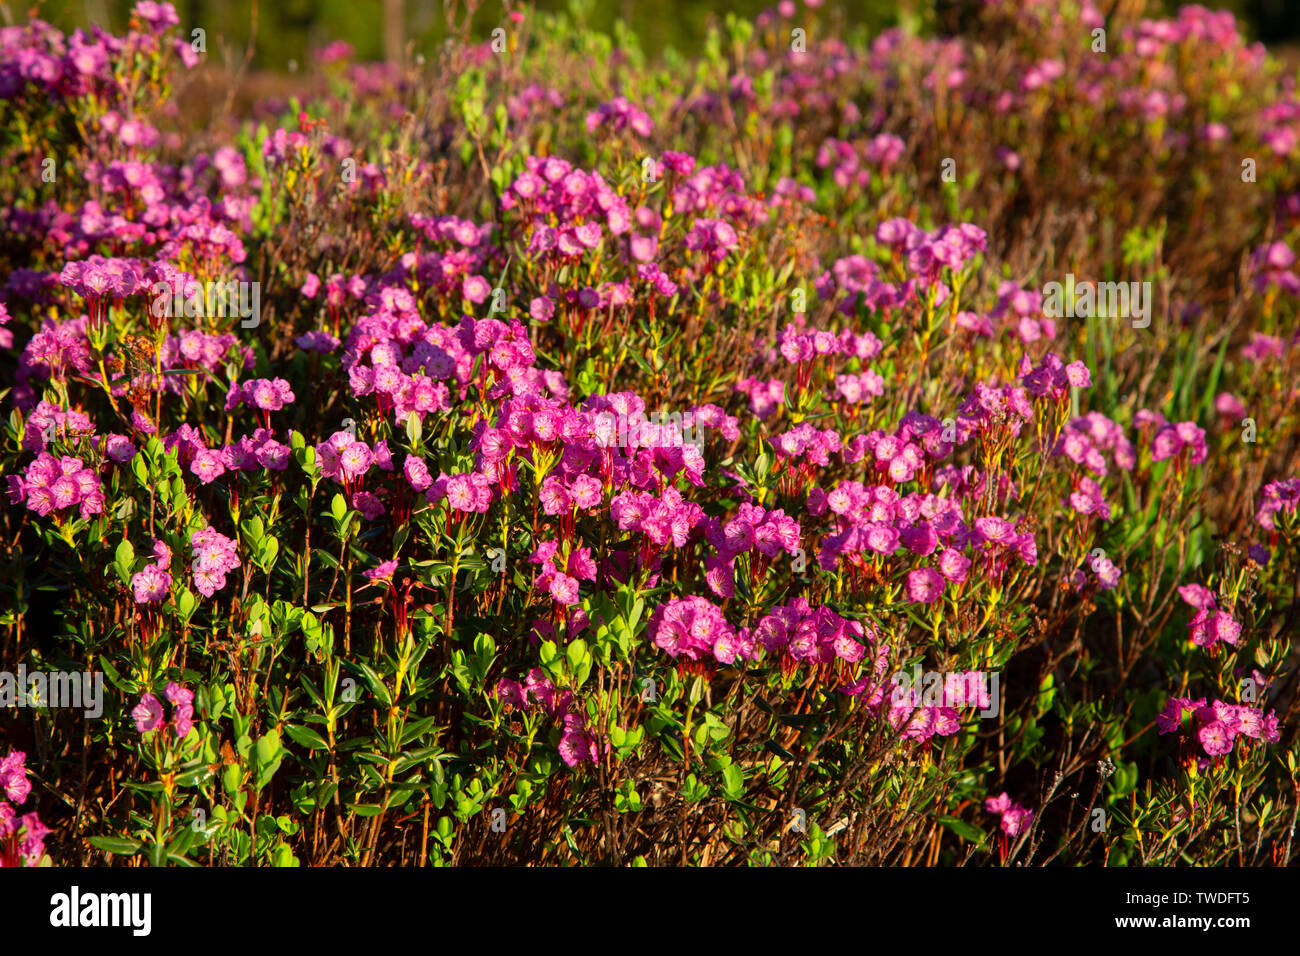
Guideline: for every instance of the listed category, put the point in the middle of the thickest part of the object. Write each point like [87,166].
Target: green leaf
[307,737]
[186,604]
[414,429]
[967,831]
[117,845]
[268,747]
[125,561]
[733,781]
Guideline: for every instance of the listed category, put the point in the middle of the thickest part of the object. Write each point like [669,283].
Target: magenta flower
[182,700]
[460,493]
[13,777]
[924,586]
[541,308]
[417,473]
[1216,738]
[1278,498]
[148,714]
[1210,626]
[384,572]
[1014,816]
[151,584]
[476,289]
[511,692]
[214,556]
[354,460]
[953,565]
[1198,596]
[208,466]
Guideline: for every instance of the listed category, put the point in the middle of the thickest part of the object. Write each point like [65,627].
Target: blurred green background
[289,29]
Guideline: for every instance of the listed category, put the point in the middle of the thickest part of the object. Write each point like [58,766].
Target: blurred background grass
[287,30]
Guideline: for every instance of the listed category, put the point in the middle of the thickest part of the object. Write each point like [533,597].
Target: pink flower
[1198,596]
[924,586]
[368,504]
[148,714]
[208,466]
[953,565]
[564,589]
[150,585]
[511,692]
[460,493]
[541,308]
[1014,816]
[417,473]
[476,289]
[585,491]
[1216,738]
[995,530]
[384,572]
[1210,626]
[553,496]
[575,748]
[354,460]
[13,777]
[119,448]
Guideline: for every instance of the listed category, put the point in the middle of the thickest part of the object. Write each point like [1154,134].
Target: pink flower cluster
[577,743]
[877,520]
[765,395]
[753,529]
[619,114]
[582,492]
[258,451]
[56,349]
[195,348]
[1087,499]
[154,581]
[951,246]
[52,484]
[1209,625]
[1020,309]
[911,712]
[1084,439]
[469,493]
[1014,816]
[561,580]
[346,460]
[799,345]
[808,444]
[1170,441]
[715,237]
[214,557]
[48,422]
[669,518]
[1105,571]
[1277,498]
[578,201]
[853,389]
[812,635]
[1052,378]
[22,839]
[857,278]
[267,394]
[148,713]
[1219,724]
[695,629]
[1272,263]
[99,278]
